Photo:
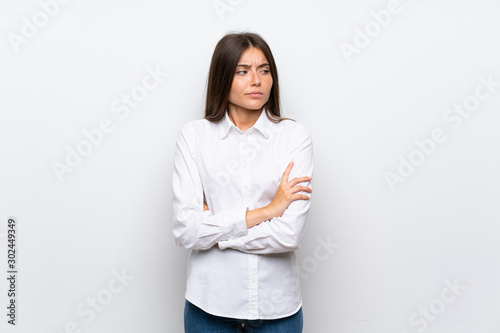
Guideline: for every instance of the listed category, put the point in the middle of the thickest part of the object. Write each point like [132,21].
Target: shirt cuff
[238,228]
[237,225]
[230,243]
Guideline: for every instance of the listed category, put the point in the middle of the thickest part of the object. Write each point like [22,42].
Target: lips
[255,94]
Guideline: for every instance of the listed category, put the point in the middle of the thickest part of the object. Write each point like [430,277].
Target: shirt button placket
[245,173]
[253,270]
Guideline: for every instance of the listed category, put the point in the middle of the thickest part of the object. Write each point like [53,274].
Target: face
[252,82]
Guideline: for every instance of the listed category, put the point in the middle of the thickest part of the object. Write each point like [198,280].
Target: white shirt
[233,271]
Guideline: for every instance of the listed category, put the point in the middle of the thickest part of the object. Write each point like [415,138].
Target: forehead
[253,55]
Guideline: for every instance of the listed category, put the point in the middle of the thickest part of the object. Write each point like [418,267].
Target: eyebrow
[248,66]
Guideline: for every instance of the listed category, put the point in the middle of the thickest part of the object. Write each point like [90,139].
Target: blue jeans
[198,321]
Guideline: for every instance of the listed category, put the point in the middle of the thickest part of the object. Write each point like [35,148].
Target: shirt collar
[263,125]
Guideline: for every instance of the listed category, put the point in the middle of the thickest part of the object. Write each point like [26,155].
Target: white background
[395,247]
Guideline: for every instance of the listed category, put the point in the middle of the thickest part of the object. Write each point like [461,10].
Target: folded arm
[194,228]
[283,233]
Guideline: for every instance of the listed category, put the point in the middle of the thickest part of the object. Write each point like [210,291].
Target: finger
[284,179]
[300,197]
[296,189]
[297,180]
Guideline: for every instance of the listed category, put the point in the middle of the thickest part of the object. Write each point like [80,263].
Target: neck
[243,118]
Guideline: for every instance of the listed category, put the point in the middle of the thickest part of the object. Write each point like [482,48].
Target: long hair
[225,58]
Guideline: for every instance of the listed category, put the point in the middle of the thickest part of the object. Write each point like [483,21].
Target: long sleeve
[284,233]
[192,227]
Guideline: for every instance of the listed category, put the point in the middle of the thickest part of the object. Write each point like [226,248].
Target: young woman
[242,182]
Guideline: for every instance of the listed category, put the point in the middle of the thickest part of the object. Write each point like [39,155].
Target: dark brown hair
[225,58]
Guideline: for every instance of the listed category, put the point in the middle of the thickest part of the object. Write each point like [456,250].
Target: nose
[255,80]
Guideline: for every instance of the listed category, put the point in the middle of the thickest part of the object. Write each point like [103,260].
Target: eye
[266,71]
[241,72]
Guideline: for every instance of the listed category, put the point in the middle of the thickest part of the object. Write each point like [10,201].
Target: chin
[255,107]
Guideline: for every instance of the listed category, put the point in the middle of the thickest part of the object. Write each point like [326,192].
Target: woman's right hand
[287,192]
